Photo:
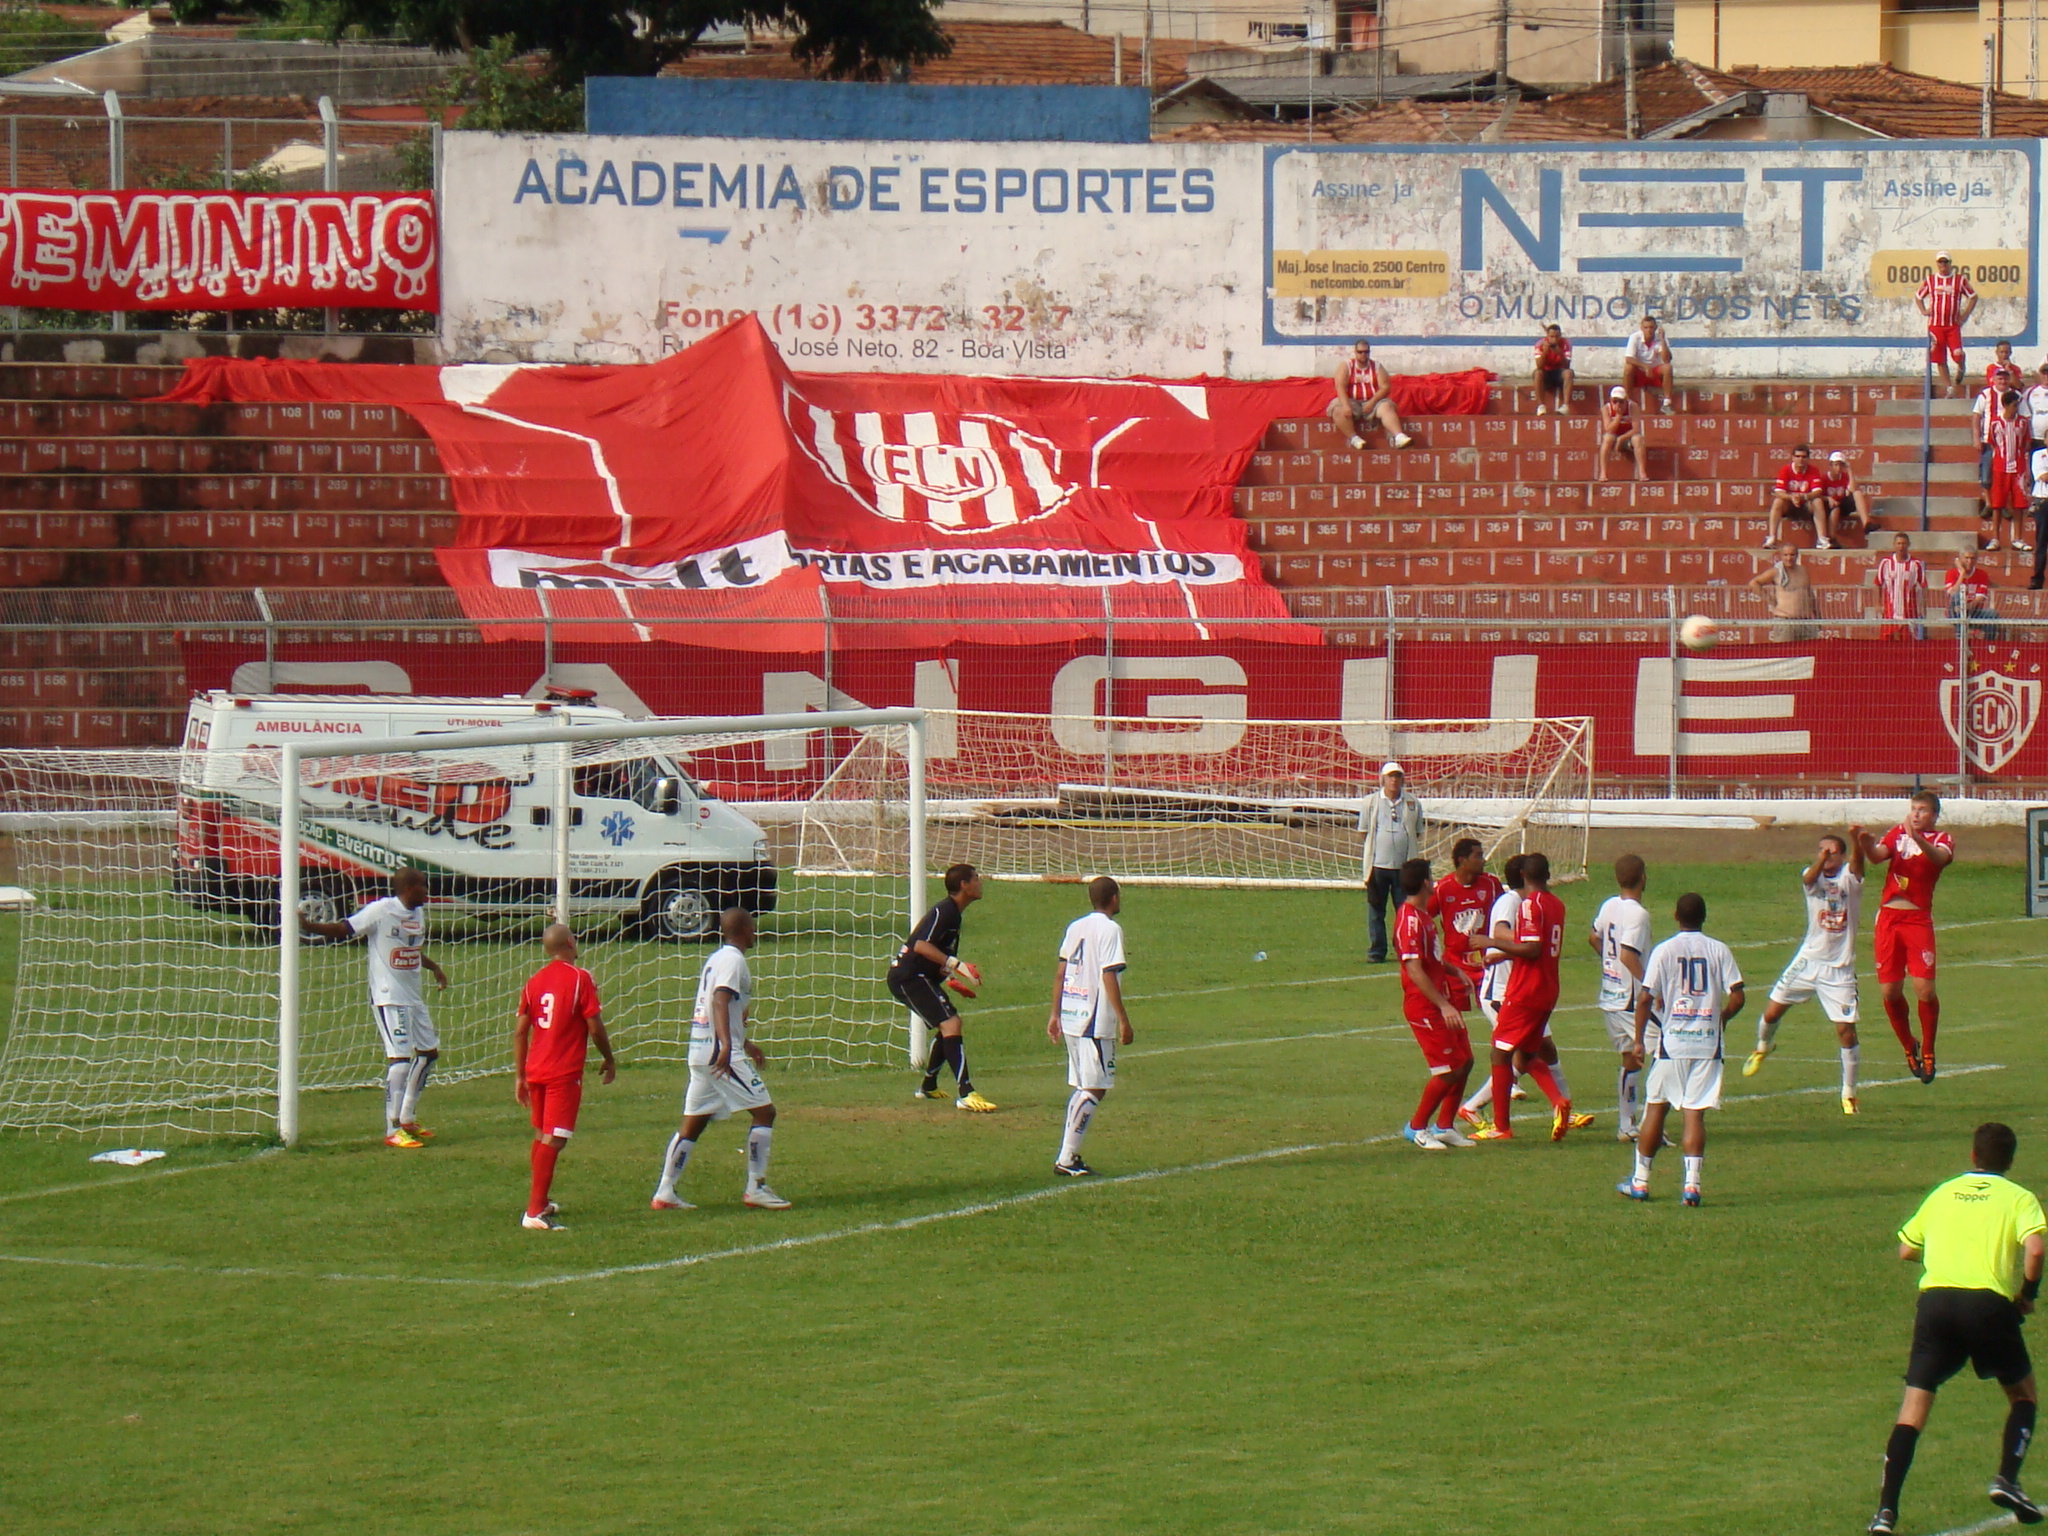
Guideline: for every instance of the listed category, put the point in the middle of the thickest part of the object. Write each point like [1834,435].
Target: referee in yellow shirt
[1980,1238]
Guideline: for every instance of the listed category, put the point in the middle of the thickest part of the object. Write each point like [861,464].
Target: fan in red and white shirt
[1619,434]
[1845,502]
[1799,491]
[1365,393]
[2011,440]
[1553,371]
[1901,578]
[2002,373]
[1946,298]
[1915,853]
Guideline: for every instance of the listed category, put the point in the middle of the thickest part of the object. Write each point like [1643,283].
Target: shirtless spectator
[1799,491]
[1790,590]
[1646,365]
[1365,395]
[1553,372]
[1847,503]
[1619,434]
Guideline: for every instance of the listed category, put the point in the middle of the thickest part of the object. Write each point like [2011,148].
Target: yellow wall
[1779,33]
[1946,44]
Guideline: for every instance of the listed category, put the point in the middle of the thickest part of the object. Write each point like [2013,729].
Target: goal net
[149,975]
[1243,803]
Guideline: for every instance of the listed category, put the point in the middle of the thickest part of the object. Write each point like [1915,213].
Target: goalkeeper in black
[926,967]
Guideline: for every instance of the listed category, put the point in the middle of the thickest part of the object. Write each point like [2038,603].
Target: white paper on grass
[14,899]
[127,1157]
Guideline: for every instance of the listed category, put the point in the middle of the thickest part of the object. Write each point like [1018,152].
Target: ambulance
[647,843]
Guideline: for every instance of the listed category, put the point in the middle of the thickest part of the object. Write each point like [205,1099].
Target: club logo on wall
[1998,717]
[954,472]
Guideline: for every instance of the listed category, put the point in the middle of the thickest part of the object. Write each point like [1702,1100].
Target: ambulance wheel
[676,913]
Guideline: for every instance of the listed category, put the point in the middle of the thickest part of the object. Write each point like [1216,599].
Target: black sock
[931,1066]
[959,1055]
[2012,1449]
[1898,1461]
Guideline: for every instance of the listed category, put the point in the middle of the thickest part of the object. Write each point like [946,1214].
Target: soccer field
[1269,1315]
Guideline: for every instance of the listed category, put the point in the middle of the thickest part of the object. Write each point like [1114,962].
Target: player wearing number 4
[1088,1014]
[925,968]
[1693,987]
[1825,966]
[721,1082]
[395,928]
[558,1018]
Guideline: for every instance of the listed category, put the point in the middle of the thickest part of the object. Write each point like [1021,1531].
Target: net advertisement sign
[1245,261]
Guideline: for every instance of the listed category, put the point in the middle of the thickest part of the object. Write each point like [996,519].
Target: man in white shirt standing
[395,932]
[724,1070]
[1646,365]
[1088,1014]
[1621,938]
[1694,987]
[1825,966]
[1390,824]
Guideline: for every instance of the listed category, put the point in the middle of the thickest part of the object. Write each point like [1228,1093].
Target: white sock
[415,1080]
[1557,1071]
[1692,1170]
[1767,1031]
[1852,1058]
[673,1162]
[395,1073]
[759,1141]
[1080,1110]
[1642,1173]
[1628,1084]
[1484,1096]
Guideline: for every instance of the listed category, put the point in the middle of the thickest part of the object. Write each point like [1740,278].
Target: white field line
[139,1178]
[1995,1523]
[836,1234]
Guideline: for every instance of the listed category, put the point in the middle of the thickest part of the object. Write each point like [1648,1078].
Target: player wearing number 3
[558,1018]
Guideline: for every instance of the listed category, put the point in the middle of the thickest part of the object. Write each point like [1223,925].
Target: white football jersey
[1093,944]
[1834,905]
[1507,908]
[1622,924]
[397,934]
[727,969]
[1691,975]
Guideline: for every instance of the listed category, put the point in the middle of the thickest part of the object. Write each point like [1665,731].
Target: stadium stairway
[1501,513]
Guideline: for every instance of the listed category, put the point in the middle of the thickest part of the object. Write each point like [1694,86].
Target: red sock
[1432,1095]
[1503,1093]
[1930,1020]
[1902,1023]
[1454,1092]
[1541,1075]
[544,1155]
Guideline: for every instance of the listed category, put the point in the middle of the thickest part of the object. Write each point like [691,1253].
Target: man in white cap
[1946,298]
[1619,434]
[1390,824]
[1845,504]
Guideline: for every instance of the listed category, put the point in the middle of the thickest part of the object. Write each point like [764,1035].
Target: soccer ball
[1699,633]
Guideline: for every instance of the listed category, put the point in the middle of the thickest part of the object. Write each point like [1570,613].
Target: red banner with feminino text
[218,250]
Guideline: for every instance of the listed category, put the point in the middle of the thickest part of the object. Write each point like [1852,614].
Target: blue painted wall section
[830,109]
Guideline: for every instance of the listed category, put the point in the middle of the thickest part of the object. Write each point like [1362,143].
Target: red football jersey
[1835,478]
[1463,909]
[561,999]
[2011,440]
[1617,416]
[1533,983]
[1415,939]
[1912,878]
[1553,354]
[1797,483]
[1944,296]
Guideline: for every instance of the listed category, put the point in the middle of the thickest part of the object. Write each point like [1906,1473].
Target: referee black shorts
[1953,1328]
[923,996]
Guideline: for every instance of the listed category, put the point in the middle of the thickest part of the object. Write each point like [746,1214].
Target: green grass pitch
[1297,1325]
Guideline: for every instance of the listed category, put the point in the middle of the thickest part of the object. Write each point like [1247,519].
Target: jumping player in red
[1463,899]
[558,1018]
[1533,950]
[1914,853]
[1433,1003]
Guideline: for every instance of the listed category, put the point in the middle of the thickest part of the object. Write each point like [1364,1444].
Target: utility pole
[1379,53]
[1988,116]
[2034,49]
[1500,51]
[1632,118]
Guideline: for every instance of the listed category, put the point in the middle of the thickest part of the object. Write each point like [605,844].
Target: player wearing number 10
[558,1018]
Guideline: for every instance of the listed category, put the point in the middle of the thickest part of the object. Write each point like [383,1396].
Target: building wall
[1946,44]
[1776,33]
[1563,50]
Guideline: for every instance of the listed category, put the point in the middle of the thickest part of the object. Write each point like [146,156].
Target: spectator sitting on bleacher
[1365,394]
[1969,592]
[1901,578]
[2012,440]
[1844,502]
[1791,594]
[1553,371]
[1646,365]
[1619,434]
[1799,491]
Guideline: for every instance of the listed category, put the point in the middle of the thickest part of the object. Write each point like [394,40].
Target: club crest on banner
[2002,712]
[953,471]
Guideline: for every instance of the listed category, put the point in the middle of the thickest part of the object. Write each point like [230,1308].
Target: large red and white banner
[1768,714]
[218,250]
[719,483]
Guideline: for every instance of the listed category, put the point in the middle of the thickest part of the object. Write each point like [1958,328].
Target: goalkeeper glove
[963,977]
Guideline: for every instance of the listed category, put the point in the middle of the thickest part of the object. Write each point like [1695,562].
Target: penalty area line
[1995,1523]
[139,1178]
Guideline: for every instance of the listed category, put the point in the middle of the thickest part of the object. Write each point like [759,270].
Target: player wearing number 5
[558,1018]
[1693,987]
